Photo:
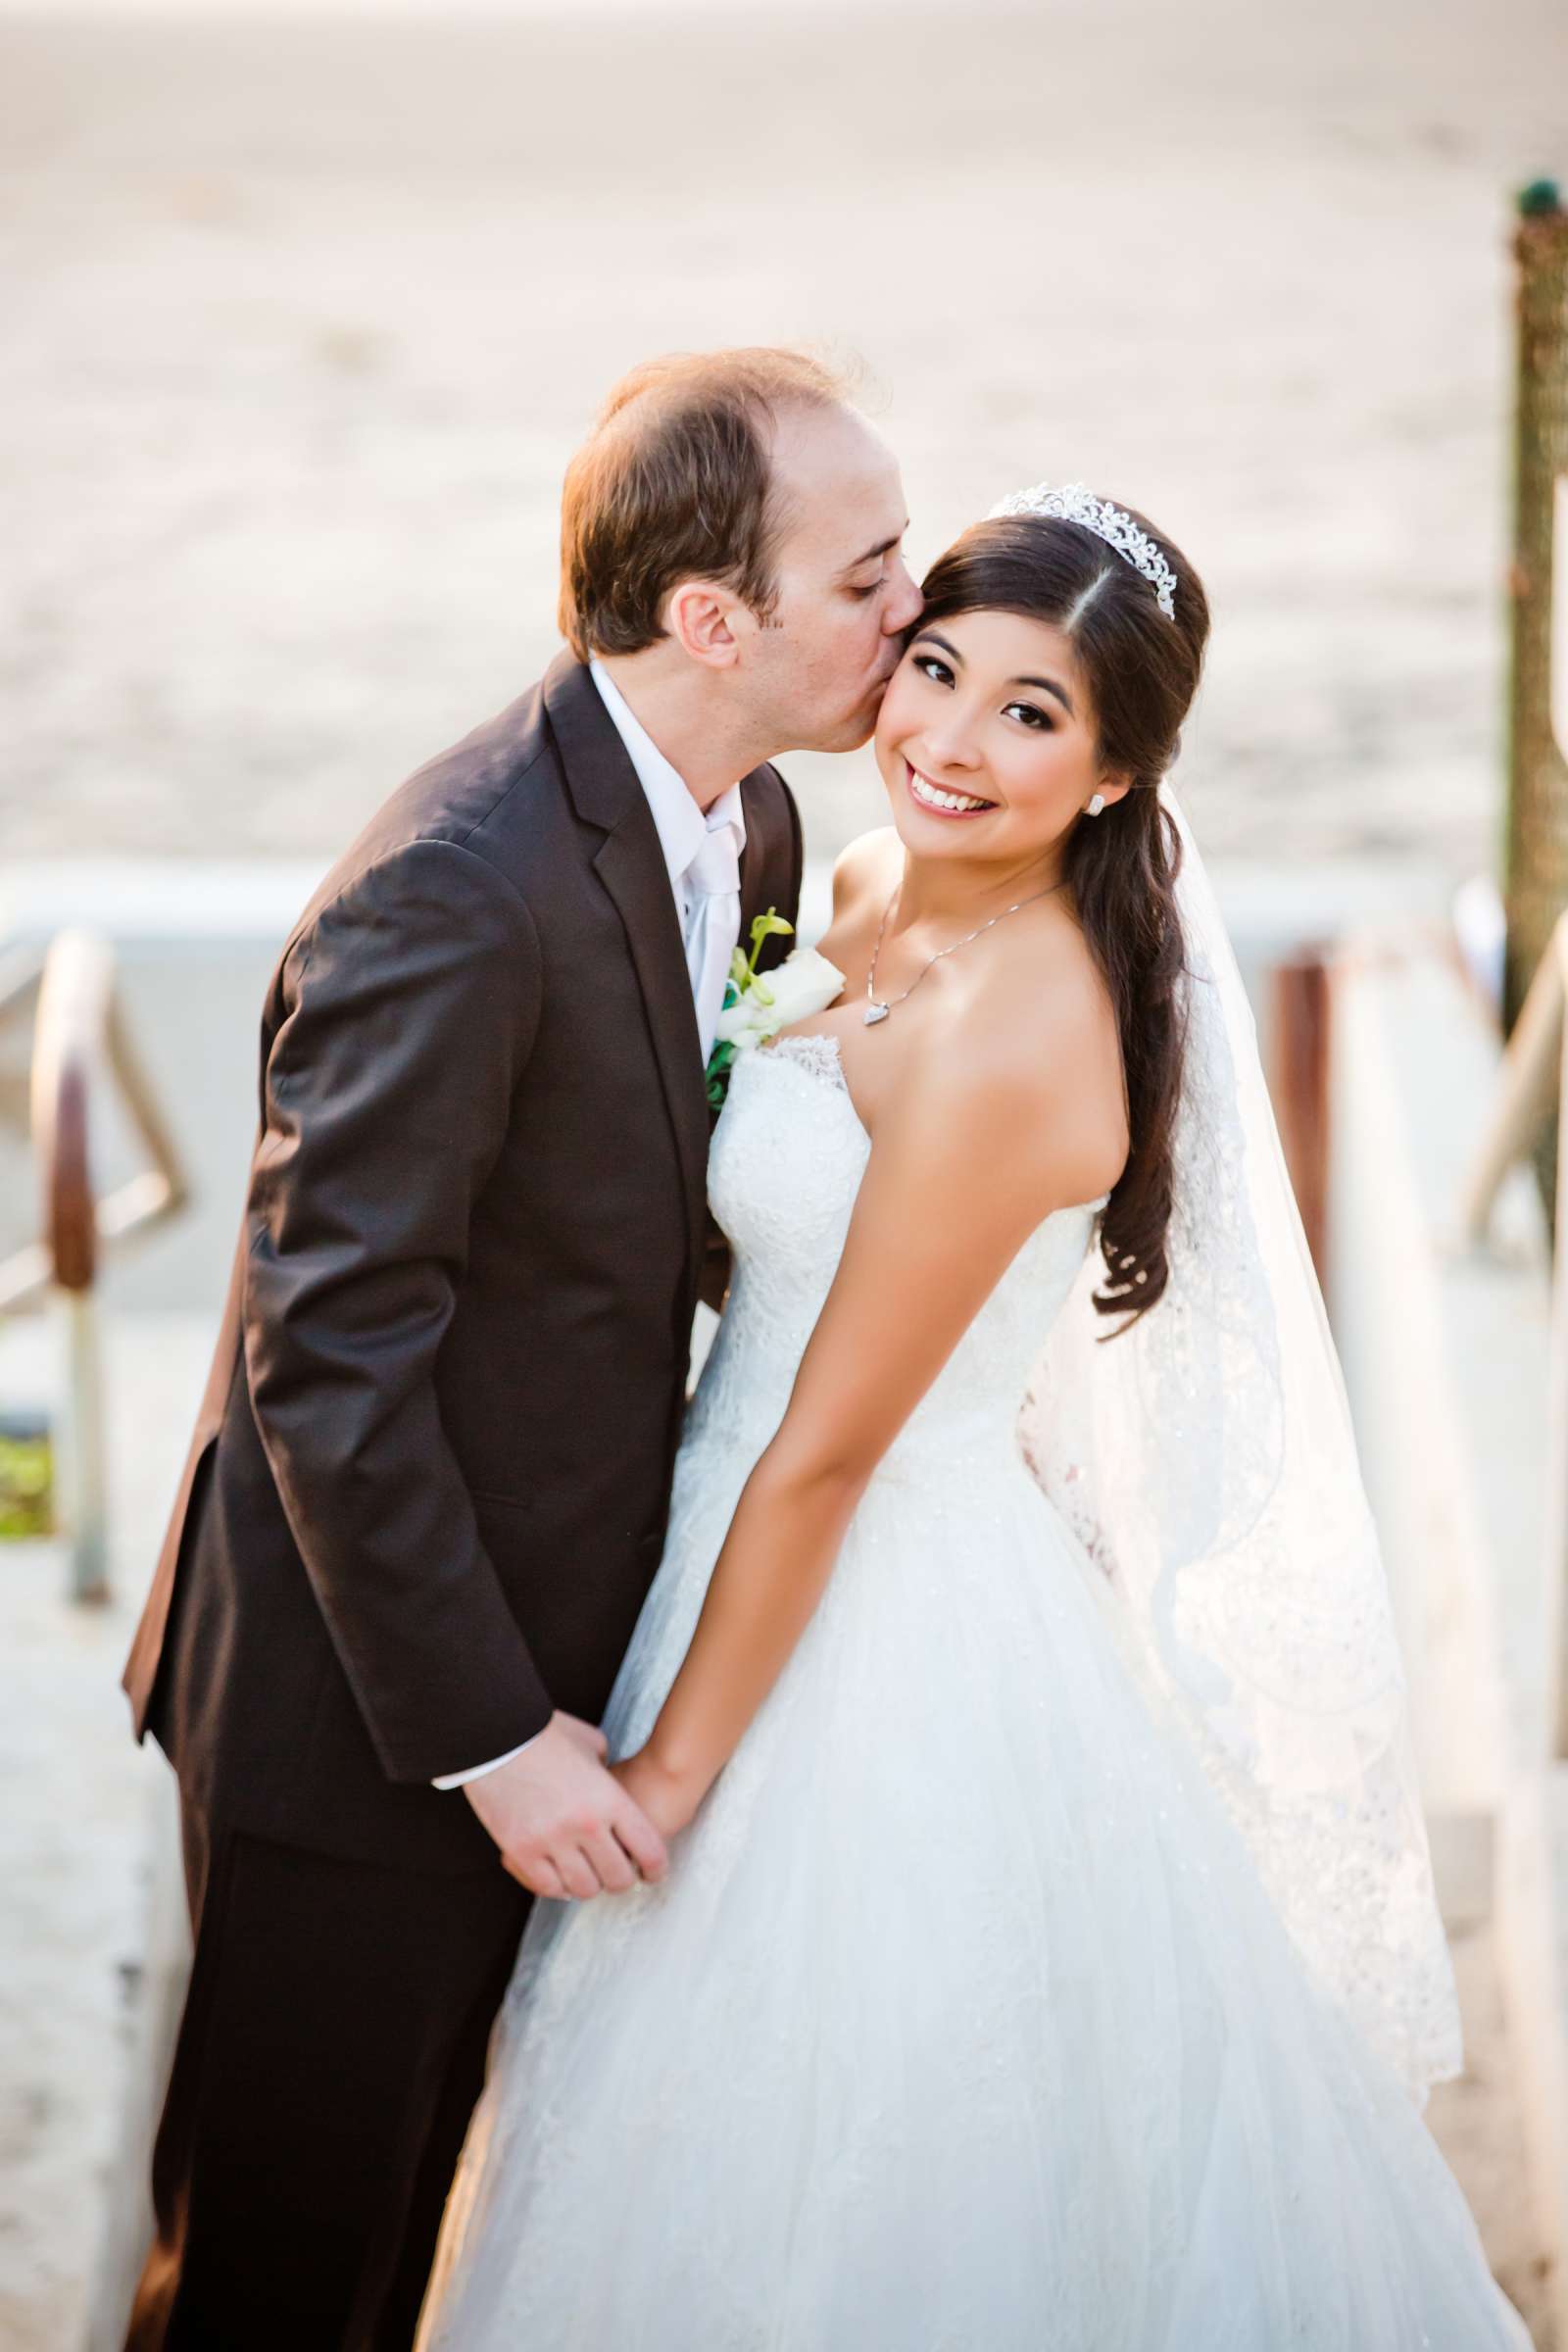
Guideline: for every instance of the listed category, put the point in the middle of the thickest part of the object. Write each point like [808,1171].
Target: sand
[305,315]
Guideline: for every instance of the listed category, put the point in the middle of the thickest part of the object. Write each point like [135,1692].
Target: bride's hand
[667,1802]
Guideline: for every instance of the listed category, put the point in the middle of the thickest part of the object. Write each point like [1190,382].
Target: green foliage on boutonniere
[744,981]
[718,1062]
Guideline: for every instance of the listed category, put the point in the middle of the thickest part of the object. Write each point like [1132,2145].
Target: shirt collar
[680,823]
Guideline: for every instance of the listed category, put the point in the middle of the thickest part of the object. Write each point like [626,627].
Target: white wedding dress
[962,2019]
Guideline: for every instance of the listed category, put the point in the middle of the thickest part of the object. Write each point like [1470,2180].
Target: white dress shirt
[702,850]
[698,846]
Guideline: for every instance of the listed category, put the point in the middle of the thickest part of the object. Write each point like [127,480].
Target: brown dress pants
[330,2055]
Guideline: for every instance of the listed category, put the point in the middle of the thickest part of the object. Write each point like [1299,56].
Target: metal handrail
[1533,1072]
[80,1035]
[80,1031]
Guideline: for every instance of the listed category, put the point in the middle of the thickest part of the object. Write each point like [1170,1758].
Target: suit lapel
[630,864]
[634,873]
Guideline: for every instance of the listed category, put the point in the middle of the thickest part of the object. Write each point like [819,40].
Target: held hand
[565,1825]
[589,1738]
[667,1801]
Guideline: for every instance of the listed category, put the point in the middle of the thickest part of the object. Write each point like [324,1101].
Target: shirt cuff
[476,1771]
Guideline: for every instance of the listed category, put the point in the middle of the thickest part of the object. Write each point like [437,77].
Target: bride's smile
[947,803]
[988,748]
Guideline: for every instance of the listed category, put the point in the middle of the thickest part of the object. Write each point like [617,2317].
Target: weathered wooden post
[1536,844]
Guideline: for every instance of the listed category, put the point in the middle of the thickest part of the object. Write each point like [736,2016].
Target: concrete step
[84,1852]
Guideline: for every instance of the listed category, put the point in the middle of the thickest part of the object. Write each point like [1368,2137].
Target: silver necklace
[876,1012]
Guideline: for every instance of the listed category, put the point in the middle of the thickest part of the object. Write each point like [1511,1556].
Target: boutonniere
[756,1005]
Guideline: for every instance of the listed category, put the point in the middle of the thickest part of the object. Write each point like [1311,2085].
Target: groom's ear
[704,621]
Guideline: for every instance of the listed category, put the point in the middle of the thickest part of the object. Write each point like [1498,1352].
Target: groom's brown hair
[676,484]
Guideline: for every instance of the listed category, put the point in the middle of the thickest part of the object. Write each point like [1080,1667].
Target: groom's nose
[903,602]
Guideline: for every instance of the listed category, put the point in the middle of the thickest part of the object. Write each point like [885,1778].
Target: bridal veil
[1205,1459]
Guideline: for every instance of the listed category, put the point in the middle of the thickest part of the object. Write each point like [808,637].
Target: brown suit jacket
[429,1480]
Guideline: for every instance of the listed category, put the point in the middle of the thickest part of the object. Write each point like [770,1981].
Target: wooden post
[1535,842]
[1302,1026]
[1533,1081]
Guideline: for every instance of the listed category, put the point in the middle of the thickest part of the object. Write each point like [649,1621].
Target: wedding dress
[963,2018]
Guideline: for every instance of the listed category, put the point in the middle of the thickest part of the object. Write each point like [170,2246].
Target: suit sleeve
[408,1009]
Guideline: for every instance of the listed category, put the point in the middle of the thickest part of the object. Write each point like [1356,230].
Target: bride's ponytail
[1122,880]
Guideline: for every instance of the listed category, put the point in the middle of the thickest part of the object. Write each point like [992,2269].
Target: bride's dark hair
[1121,865]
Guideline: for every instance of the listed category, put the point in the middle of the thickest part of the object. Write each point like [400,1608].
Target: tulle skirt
[962,2020]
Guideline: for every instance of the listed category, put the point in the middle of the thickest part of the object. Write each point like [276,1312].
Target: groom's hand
[564,1822]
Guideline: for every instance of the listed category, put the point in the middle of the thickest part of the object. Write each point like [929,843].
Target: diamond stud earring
[1095,805]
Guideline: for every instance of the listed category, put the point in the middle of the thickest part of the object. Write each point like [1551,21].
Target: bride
[1048,1953]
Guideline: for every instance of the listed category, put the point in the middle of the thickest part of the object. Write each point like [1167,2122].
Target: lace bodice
[788,1155]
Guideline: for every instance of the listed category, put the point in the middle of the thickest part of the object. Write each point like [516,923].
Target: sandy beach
[306,315]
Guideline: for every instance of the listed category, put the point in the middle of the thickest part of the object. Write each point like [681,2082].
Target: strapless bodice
[788,1155]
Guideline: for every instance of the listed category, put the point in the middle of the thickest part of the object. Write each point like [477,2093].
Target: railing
[79,1039]
[1303,1031]
[1534,876]
[1532,1081]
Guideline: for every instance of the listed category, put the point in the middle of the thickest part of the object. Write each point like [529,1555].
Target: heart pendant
[875,1013]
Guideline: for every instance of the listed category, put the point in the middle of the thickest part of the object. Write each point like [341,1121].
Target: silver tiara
[1073,503]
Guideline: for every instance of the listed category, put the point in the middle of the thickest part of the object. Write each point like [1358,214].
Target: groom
[428,1483]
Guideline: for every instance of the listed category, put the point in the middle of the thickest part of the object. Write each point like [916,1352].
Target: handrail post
[72,1018]
[1555,1582]
[80,1033]
[1556,975]
[1536,840]
[1302,1033]
[1532,1083]
[87,1481]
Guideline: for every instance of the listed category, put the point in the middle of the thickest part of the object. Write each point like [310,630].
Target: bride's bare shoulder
[1029,1061]
[868,868]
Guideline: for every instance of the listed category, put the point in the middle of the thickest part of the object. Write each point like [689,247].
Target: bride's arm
[968,1162]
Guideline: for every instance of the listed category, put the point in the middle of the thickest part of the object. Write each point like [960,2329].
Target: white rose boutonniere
[756,1005]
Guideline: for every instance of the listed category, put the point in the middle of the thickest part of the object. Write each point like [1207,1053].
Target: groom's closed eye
[865,588]
[861,589]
